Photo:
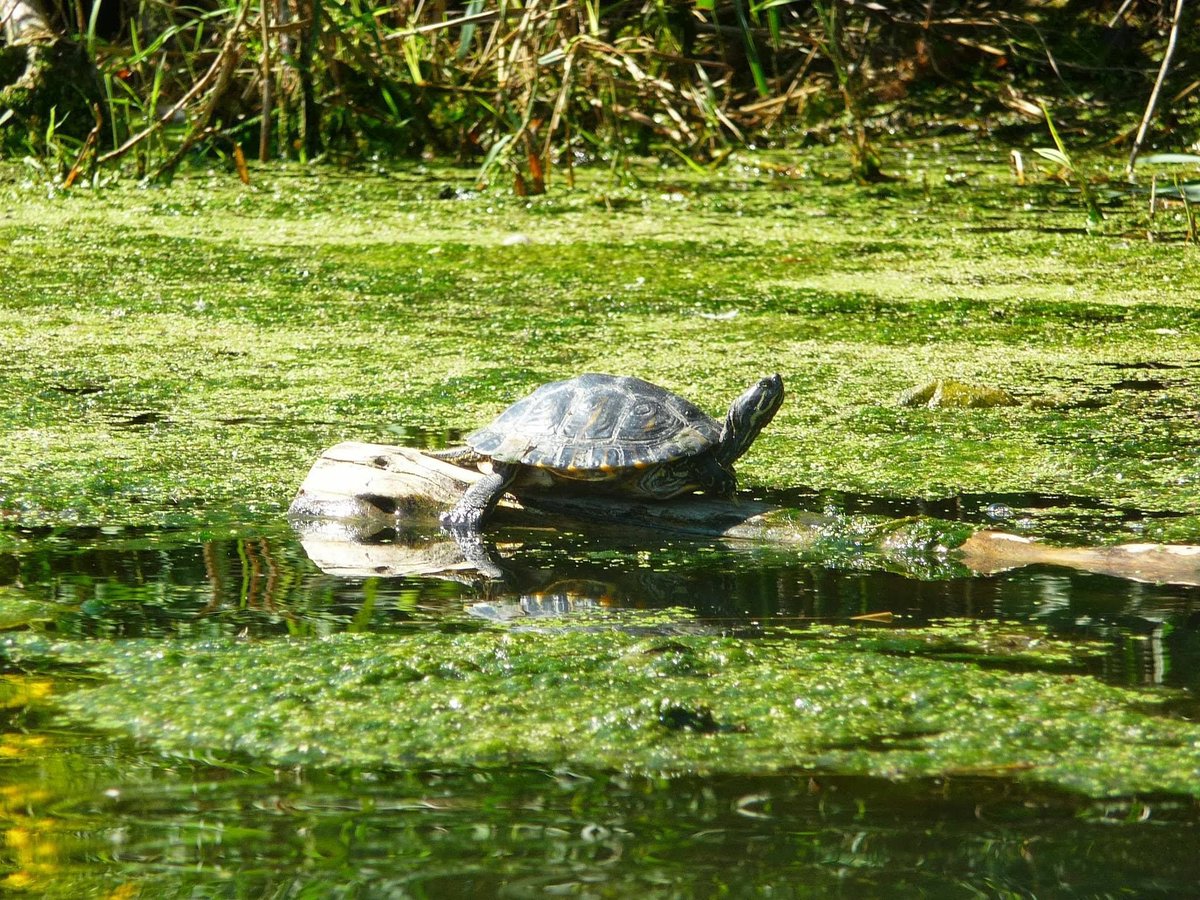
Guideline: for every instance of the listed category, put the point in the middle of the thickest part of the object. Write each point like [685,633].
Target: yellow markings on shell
[650,425]
[596,413]
[641,464]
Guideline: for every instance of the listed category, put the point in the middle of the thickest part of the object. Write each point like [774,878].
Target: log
[357,490]
[375,483]
[24,21]
[986,552]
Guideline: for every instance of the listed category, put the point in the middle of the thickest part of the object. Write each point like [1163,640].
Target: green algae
[180,355]
[18,610]
[966,700]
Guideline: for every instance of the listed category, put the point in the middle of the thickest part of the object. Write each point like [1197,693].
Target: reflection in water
[173,585]
[128,828]
[87,815]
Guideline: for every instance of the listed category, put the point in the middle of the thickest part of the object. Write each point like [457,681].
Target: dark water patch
[139,420]
[88,584]
[273,422]
[80,390]
[1139,384]
[697,719]
[1148,364]
[181,828]
[1036,229]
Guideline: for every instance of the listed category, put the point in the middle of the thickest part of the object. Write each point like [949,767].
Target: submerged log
[988,551]
[356,489]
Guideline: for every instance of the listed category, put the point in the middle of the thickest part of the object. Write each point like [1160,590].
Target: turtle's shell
[596,427]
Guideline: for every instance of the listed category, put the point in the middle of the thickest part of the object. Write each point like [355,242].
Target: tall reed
[527,87]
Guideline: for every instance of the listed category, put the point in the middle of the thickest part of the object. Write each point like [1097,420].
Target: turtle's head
[749,415]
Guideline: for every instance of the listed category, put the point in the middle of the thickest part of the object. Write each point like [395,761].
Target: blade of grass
[752,58]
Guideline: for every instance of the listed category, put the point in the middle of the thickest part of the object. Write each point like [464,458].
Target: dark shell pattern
[594,425]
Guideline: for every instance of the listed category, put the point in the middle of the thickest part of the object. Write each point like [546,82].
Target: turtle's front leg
[715,479]
[478,501]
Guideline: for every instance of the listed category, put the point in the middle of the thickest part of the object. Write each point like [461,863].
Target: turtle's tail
[460,456]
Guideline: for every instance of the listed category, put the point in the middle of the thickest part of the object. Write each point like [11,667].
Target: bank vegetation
[529,89]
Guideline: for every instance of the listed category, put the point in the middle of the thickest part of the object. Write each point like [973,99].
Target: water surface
[175,358]
[89,813]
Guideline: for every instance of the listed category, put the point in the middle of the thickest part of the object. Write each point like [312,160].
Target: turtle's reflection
[737,587]
[531,572]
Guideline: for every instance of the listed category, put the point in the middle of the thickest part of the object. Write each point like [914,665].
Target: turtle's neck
[747,417]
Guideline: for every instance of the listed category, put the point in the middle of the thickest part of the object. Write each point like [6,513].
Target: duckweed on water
[838,701]
[180,355]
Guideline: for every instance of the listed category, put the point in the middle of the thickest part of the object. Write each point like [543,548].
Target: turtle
[611,434]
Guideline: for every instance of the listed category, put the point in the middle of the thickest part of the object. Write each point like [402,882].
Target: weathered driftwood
[374,483]
[355,489]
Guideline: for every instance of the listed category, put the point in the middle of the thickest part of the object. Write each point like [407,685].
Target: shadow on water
[87,814]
